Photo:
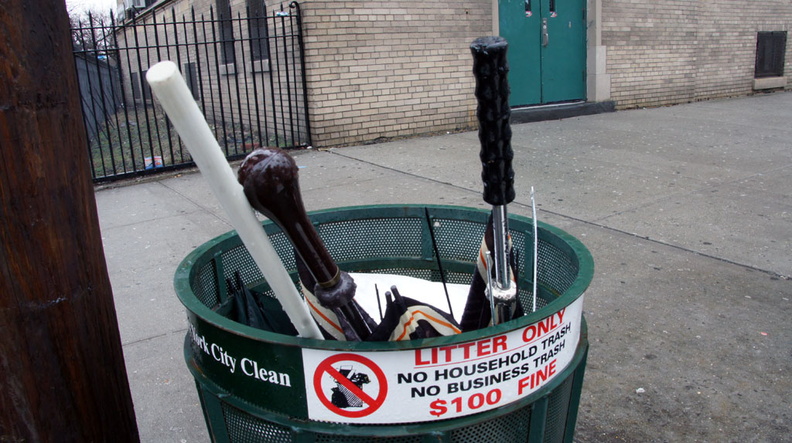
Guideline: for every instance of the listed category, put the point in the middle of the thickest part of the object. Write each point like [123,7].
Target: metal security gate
[245,70]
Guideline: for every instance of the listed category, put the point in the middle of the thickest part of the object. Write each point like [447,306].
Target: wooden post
[62,373]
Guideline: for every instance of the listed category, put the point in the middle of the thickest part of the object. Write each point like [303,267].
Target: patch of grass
[134,140]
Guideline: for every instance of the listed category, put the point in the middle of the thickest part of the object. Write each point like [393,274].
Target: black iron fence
[245,71]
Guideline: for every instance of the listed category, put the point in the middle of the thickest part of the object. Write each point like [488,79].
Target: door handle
[545,34]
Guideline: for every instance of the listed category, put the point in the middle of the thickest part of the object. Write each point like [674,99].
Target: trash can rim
[186,268]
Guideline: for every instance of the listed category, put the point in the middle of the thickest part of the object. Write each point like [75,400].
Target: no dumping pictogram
[369,403]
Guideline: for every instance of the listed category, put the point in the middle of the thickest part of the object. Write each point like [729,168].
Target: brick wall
[673,51]
[385,69]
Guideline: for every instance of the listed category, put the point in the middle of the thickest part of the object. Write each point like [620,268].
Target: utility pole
[62,373]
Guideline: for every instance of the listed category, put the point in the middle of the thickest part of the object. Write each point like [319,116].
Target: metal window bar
[218,63]
[260,101]
[116,93]
[257,55]
[245,89]
[100,84]
[239,142]
[144,97]
[301,50]
[225,15]
[273,73]
[210,78]
[153,118]
[283,49]
[257,30]
[287,50]
[187,71]
[89,111]
[127,122]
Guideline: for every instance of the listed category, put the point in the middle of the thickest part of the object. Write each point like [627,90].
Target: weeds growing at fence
[136,140]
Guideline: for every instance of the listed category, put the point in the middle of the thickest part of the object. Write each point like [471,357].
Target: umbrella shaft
[500,230]
[355,319]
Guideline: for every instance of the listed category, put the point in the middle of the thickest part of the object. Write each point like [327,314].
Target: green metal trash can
[518,381]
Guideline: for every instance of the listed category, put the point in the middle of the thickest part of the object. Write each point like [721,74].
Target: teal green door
[547,49]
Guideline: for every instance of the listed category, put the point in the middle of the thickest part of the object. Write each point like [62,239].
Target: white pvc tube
[177,100]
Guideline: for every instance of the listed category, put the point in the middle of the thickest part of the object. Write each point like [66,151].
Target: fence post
[303,74]
[62,373]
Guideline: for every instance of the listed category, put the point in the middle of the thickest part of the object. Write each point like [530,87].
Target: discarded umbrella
[269,178]
[495,278]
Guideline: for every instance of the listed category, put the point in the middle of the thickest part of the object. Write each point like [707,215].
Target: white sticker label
[441,382]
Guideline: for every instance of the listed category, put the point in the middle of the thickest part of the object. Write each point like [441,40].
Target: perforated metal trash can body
[260,386]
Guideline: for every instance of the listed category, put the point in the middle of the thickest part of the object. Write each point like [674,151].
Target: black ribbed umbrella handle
[490,69]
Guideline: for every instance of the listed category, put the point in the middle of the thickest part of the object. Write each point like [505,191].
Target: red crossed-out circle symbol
[372,402]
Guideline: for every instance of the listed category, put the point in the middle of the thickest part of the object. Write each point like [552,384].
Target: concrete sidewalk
[687,211]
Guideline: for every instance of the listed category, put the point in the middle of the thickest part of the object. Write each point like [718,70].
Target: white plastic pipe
[177,100]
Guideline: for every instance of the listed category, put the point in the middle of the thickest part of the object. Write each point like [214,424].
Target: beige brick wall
[386,69]
[674,51]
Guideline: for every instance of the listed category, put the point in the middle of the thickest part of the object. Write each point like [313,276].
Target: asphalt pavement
[687,211]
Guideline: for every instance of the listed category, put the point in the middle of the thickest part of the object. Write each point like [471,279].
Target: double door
[547,50]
